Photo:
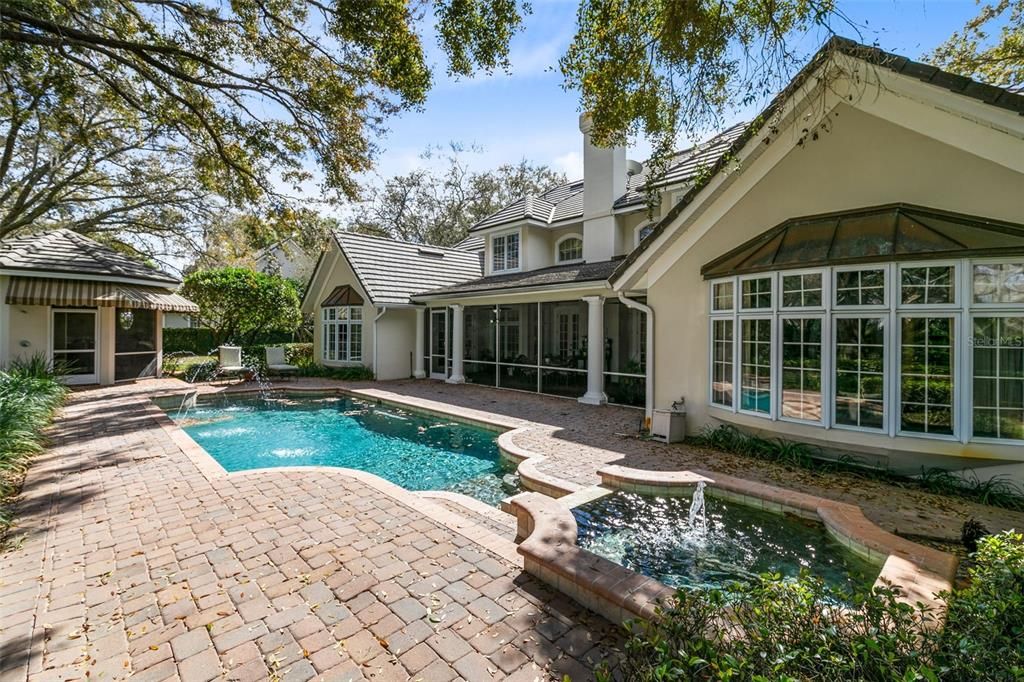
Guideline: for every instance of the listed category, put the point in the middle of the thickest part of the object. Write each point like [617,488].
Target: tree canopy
[989,48]
[244,95]
[438,207]
[239,304]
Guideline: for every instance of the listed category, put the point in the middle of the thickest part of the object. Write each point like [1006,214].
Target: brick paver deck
[138,563]
[578,440]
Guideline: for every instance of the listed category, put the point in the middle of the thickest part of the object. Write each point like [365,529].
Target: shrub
[240,304]
[30,393]
[775,629]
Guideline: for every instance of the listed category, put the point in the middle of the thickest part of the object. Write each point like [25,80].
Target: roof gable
[998,97]
[390,272]
[66,252]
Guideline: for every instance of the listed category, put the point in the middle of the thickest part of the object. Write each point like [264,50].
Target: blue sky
[527,114]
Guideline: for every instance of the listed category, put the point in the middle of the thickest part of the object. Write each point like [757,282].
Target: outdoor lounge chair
[276,362]
[230,360]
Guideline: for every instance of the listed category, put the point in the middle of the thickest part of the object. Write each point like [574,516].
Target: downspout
[649,319]
[383,310]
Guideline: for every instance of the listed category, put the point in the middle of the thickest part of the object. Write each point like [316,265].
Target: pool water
[416,452]
[651,535]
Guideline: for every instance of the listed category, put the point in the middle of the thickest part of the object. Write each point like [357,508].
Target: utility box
[669,426]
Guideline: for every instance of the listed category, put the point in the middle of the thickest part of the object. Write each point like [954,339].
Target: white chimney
[604,181]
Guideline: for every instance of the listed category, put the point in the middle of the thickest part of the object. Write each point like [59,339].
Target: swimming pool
[415,451]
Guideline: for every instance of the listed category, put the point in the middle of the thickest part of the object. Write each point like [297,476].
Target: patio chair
[276,362]
[230,360]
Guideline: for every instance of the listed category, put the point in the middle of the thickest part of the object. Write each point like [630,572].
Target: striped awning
[76,292]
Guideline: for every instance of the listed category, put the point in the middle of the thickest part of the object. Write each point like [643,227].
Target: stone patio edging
[548,534]
[211,469]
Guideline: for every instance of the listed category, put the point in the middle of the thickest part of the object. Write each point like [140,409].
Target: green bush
[200,341]
[996,491]
[775,629]
[242,305]
[30,393]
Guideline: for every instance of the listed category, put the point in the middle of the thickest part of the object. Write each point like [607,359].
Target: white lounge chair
[276,361]
[230,360]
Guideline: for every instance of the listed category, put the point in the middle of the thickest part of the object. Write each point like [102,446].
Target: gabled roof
[543,277]
[473,242]
[565,201]
[63,251]
[390,271]
[961,85]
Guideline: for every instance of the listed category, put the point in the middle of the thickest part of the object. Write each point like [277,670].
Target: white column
[421,329]
[458,346]
[595,352]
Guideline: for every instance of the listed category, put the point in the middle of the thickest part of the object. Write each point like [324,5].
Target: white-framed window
[342,333]
[916,349]
[640,233]
[505,252]
[569,249]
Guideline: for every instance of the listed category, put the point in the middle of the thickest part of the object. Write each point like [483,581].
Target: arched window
[570,249]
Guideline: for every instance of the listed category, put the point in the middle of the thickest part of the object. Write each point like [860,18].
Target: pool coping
[547,534]
[212,471]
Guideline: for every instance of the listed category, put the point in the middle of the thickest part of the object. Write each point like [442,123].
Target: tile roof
[68,252]
[961,85]
[565,201]
[391,271]
[557,274]
[471,243]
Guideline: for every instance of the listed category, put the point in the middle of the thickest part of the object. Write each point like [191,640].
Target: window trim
[737,335]
[963,312]
[826,291]
[519,254]
[338,322]
[887,285]
[558,244]
[773,279]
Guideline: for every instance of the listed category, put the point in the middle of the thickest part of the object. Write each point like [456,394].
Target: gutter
[649,320]
[383,310]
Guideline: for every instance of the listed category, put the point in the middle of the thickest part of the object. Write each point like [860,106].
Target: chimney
[604,173]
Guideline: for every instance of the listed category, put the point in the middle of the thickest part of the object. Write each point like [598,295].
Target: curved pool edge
[547,535]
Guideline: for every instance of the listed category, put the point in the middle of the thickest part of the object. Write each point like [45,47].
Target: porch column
[458,346]
[595,352]
[421,329]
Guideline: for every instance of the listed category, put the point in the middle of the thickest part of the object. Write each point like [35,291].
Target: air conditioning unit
[669,426]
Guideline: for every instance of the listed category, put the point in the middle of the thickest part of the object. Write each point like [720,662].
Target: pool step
[495,520]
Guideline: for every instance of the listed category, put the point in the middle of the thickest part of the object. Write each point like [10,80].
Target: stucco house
[84,305]
[846,270]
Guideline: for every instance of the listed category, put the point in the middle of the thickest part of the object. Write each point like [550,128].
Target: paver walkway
[136,562]
[578,440]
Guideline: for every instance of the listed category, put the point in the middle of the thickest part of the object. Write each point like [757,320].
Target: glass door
[74,344]
[439,343]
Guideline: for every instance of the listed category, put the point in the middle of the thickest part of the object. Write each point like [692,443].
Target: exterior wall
[863,161]
[334,272]
[396,341]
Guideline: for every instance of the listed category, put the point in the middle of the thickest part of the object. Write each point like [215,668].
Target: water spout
[697,509]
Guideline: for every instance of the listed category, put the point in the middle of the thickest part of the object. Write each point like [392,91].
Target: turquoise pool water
[415,451]
[652,535]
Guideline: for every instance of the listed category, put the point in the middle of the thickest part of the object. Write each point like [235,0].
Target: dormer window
[505,252]
[570,249]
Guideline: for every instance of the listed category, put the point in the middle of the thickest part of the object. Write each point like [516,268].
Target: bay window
[917,349]
[342,328]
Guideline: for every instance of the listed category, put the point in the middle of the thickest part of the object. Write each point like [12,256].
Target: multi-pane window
[570,249]
[926,374]
[721,362]
[893,348]
[801,290]
[927,285]
[801,396]
[757,293]
[756,365]
[505,252]
[343,333]
[860,372]
[722,296]
[860,287]
[998,409]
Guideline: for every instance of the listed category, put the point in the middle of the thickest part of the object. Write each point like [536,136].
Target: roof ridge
[340,233]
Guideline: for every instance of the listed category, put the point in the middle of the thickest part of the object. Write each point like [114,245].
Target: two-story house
[846,270]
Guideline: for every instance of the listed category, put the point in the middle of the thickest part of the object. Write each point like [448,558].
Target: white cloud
[570,163]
